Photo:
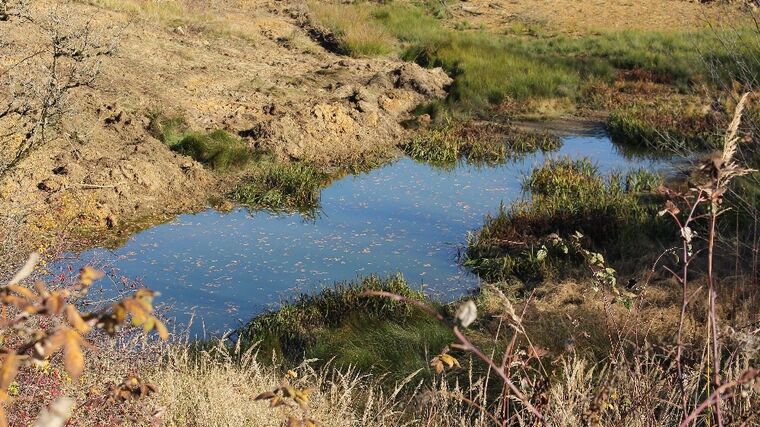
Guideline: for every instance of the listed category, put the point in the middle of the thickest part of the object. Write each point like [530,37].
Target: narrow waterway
[405,217]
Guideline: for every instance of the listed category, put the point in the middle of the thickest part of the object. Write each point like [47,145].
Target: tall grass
[358,34]
[662,130]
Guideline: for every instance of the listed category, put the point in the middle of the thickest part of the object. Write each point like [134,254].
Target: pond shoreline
[402,217]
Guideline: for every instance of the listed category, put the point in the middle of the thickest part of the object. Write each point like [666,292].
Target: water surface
[405,217]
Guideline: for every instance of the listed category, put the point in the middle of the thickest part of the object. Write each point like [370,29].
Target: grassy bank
[343,325]
[547,74]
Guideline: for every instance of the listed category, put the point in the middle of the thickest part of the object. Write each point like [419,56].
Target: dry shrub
[43,325]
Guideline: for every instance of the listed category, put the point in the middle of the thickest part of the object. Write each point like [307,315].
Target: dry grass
[186,16]
[217,388]
[357,32]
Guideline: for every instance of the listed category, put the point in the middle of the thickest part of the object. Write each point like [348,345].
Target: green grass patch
[616,213]
[481,144]
[367,332]
[489,69]
[386,346]
[217,149]
[282,187]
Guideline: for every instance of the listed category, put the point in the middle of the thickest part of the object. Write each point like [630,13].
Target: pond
[405,217]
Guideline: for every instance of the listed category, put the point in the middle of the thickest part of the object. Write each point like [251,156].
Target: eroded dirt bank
[265,80]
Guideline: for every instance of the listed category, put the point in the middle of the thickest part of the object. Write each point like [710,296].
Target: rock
[380,81]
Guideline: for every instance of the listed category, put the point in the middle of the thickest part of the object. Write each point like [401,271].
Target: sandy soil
[262,78]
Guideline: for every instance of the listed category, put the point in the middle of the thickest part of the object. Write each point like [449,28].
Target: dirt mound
[260,76]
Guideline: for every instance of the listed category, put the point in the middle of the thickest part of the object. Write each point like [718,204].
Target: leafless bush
[13,8]
[35,89]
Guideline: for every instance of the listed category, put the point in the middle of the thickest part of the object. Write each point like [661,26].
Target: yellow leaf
[139,314]
[120,313]
[23,291]
[8,371]
[73,359]
[163,333]
[148,324]
[72,315]
[449,360]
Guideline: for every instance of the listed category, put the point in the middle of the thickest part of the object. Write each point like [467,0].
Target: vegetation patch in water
[282,187]
[665,130]
[478,143]
[615,213]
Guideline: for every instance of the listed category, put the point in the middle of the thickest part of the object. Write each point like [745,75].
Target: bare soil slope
[260,76]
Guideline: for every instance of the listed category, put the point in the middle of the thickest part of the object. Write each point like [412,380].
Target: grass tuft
[217,149]
[481,144]
[278,187]
[335,322]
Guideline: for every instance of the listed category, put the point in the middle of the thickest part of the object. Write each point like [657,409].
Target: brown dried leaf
[265,396]
[55,303]
[88,275]
[23,291]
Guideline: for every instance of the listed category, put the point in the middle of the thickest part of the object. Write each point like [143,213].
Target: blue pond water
[406,218]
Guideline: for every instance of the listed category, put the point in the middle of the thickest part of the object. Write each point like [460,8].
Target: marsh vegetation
[603,297]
